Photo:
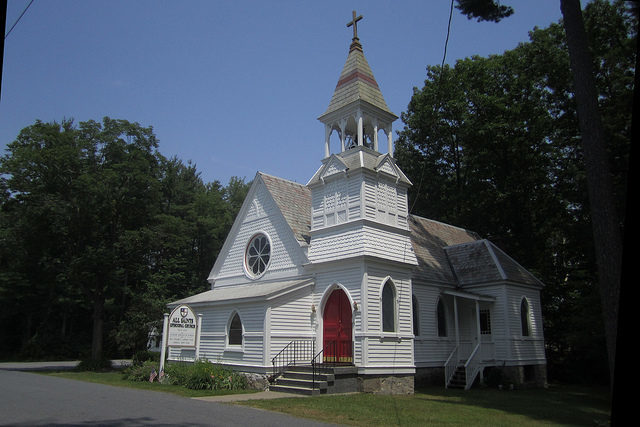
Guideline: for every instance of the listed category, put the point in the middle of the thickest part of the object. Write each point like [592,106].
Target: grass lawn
[557,405]
[114,378]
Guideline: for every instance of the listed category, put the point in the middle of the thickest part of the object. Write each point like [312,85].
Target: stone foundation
[256,381]
[384,384]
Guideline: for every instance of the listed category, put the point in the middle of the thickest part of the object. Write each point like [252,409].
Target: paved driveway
[29,399]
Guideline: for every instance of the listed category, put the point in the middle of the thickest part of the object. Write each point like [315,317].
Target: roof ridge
[448,225]
[280,178]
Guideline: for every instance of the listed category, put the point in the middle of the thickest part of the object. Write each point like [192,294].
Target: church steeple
[357,110]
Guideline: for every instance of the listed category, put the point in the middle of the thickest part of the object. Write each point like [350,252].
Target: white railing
[472,367]
[450,366]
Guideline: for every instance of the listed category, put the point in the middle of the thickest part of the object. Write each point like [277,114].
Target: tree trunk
[605,221]
[98,325]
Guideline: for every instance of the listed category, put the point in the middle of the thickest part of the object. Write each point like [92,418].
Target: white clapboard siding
[261,216]
[213,336]
[391,348]
[529,348]
[335,201]
[358,239]
[291,315]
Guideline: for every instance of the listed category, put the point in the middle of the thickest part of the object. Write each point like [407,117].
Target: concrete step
[304,375]
[297,390]
[295,382]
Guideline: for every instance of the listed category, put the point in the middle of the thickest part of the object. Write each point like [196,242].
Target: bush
[140,371]
[204,375]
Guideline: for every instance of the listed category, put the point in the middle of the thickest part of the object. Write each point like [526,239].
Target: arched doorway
[337,329]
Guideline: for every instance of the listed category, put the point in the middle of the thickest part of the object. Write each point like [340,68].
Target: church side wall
[430,349]
[214,339]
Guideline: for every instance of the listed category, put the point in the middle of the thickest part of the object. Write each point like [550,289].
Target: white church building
[336,279]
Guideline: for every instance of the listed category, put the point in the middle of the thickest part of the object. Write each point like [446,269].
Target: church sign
[182,327]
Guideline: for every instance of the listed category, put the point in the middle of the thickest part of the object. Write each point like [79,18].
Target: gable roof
[482,261]
[359,157]
[294,201]
[429,238]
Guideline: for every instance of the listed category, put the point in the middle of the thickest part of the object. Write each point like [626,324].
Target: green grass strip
[555,406]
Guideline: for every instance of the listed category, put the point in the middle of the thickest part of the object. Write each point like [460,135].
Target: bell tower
[357,110]
[359,205]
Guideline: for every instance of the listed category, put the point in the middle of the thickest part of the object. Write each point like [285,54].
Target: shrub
[204,375]
[140,371]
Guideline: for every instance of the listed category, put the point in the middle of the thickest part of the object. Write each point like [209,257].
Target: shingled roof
[445,253]
[294,201]
[483,262]
[429,238]
[356,83]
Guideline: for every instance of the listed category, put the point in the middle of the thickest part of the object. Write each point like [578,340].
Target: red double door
[337,329]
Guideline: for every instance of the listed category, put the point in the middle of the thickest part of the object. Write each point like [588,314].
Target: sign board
[182,327]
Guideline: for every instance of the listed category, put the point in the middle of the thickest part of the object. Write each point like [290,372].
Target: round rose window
[258,255]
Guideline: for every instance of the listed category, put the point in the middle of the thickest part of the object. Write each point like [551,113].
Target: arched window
[235,330]
[442,319]
[416,316]
[525,317]
[388,307]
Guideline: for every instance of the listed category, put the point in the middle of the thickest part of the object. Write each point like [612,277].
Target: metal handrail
[332,346]
[292,353]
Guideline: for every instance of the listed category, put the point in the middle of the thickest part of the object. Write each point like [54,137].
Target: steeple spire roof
[356,82]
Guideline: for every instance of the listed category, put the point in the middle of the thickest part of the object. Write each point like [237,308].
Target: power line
[17,20]
[444,57]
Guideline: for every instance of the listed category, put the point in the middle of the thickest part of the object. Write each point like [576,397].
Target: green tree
[493,144]
[99,232]
[607,221]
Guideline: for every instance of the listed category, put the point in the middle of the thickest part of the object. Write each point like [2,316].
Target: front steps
[459,378]
[299,380]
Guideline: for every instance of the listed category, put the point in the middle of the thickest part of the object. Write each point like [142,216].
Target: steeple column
[389,140]
[360,128]
[327,137]
[343,134]
[375,134]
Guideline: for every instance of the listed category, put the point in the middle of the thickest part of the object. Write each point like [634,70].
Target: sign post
[165,331]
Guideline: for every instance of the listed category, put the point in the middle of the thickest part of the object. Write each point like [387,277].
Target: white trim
[248,273]
[237,348]
[396,326]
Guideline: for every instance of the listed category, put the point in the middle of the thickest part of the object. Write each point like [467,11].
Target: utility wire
[444,57]
[17,20]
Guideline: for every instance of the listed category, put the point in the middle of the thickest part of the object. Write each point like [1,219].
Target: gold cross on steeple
[354,23]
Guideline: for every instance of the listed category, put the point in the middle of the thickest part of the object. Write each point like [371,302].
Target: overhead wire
[18,20]
[444,57]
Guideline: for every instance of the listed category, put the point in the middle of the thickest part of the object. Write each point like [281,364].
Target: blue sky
[234,86]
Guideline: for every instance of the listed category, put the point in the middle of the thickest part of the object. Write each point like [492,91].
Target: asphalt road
[29,399]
